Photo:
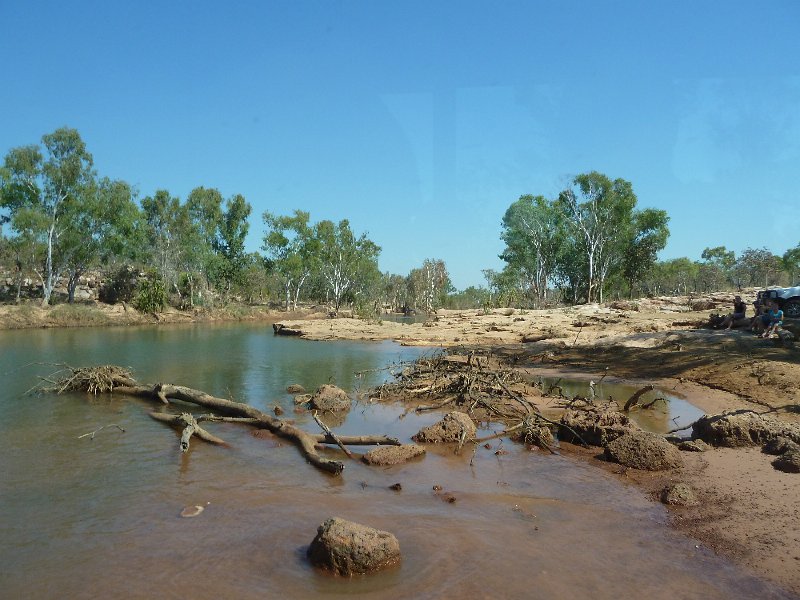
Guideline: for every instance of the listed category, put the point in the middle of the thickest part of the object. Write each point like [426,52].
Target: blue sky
[421,122]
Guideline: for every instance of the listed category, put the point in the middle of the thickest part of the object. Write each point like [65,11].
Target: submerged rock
[452,428]
[392,455]
[302,399]
[679,494]
[595,427]
[348,548]
[742,428]
[330,398]
[644,450]
[295,388]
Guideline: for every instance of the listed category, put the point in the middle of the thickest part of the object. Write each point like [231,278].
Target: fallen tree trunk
[116,379]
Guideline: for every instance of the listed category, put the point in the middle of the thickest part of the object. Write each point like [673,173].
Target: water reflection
[667,410]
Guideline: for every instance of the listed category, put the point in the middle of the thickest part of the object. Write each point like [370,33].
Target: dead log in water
[110,379]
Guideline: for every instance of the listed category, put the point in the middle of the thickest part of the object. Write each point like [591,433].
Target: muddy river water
[99,518]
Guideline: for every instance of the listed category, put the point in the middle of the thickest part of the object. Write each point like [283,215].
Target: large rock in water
[348,548]
[644,450]
[452,428]
[392,455]
[595,427]
[742,428]
[330,398]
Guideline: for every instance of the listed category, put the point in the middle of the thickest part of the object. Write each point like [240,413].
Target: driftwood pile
[117,380]
[479,385]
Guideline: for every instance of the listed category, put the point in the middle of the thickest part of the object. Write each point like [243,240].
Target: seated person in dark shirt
[738,316]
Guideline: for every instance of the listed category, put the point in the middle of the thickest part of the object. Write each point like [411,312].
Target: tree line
[59,219]
[63,219]
[591,243]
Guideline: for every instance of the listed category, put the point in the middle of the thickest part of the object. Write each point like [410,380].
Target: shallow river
[99,518]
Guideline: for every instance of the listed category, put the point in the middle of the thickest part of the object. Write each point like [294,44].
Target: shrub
[151,295]
[121,287]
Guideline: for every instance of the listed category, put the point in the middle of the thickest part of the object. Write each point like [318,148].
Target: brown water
[83,518]
[668,411]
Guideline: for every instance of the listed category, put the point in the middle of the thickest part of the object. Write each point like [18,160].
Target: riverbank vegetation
[69,233]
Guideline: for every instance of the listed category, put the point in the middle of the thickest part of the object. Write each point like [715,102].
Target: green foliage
[589,240]
[47,194]
[151,296]
[120,287]
[757,266]
[790,263]
[429,285]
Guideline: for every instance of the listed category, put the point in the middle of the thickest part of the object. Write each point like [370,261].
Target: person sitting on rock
[739,312]
[772,320]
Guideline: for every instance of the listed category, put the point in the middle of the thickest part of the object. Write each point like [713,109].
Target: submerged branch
[109,378]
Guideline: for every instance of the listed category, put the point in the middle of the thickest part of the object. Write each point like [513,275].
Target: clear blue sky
[422,121]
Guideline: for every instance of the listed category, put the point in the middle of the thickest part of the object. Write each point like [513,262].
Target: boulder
[624,305]
[788,462]
[348,548]
[699,305]
[780,445]
[596,427]
[330,398]
[295,388]
[451,428]
[644,450]
[679,494]
[693,446]
[536,435]
[281,329]
[742,428]
[392,455]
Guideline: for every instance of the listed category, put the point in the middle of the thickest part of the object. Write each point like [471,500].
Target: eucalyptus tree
[346,263]
[599,212]
[163,217]
[790,263]
[204,214]
[717,267]
[647,236]
[103,230]
[429,284]
[290,246]
[229,243]
[394,291]
[756,265]
[43,191]
[533,231]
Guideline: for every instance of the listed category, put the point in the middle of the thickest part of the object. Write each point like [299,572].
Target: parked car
[787,298]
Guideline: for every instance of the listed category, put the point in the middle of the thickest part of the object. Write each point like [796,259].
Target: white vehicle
[788,300]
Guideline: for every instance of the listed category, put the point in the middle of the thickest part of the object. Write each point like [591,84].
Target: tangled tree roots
[110,379]
[482,386]
[95,380]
